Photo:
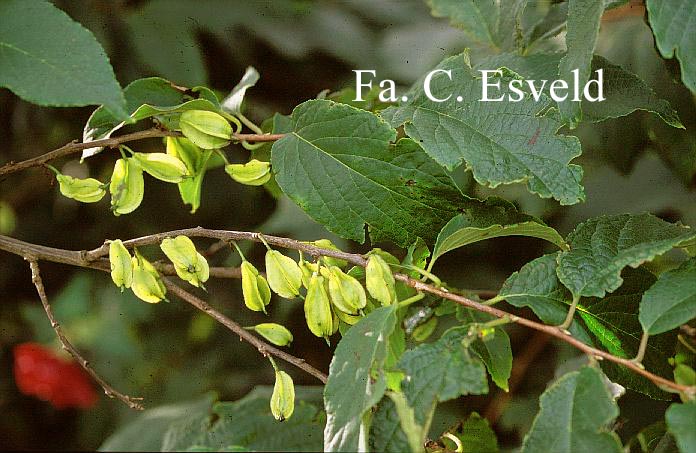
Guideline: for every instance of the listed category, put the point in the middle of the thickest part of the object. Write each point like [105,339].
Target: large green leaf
[681,422]
[671,301]
[49,59]
[434,372]
[247,424]
[581,36]
[494,349]
[601,247]
[674,25]
[146,98]
[574,416]
[338,165]
[536,286]
[356,379]
[612,321]
[501,142]
[147,430]
[495,24]
[624,91]
[493,218]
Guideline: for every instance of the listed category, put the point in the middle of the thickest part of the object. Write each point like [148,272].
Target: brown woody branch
[90,258]
[133,403]
[74,146]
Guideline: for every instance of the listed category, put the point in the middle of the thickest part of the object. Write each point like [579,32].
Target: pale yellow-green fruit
[121,265]
[127,187]
[255,288]
[253,173]
[162,166]
[283,397]
[147,284]
[379,280]
[284,275]
[87,190]
[275,333]
[205,129]
[317,308]
[347,294]
[189,265]
[328,245]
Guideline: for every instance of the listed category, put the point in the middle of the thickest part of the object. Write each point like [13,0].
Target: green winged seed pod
[317,308]
[328,245]
[255,288]
[275,333]
[284,275]
[183,149]
[347,294]
[121,265]
[283,397]
[127,187]
[379,280]
[190,265]
[162,166]
[307,269]
[87,190]
[348,319]
[253,173]
[147,284]
[207,130]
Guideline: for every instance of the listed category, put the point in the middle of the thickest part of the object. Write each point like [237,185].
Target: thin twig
[133,403]
[92,259]
[74,146]
[263,347]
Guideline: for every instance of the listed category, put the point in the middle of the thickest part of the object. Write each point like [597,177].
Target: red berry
[41,373]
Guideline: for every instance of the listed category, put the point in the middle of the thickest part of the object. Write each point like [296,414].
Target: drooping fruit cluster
[184,163]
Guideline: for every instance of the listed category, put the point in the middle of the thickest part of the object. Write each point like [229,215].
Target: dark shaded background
[169,352]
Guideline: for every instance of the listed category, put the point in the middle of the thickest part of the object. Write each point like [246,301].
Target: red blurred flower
[41,373]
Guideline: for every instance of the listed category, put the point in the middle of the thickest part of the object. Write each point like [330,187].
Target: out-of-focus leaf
[146,432]
[681,422]
[49,59]
[674,25]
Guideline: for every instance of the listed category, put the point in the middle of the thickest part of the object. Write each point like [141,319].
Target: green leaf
[484,21]
[247,423]
[625,92]
[48,59]
[654,439]
[337,165]
[671,301]
[536,286]
[680,422]
[434,372]
[674,25]
[574,416]
[492,218]
[356,379]
[146,431]
[146,98]
[611,321]
[494,350]
[415,433]
[501,142]
[477,436]
[582,26]
[601,247]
